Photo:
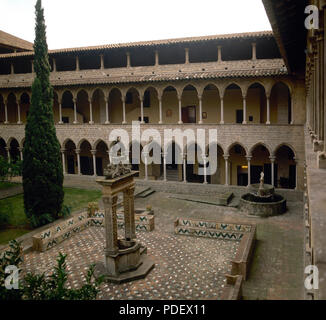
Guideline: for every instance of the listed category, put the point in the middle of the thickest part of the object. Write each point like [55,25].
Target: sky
[77,23]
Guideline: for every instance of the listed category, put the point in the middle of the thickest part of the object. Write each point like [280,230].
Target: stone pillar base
[128,264]
[321,160]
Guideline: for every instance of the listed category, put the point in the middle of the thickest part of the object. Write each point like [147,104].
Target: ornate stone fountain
[125,259]
[262,200]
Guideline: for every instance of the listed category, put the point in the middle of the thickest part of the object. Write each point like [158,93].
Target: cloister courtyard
[188,267]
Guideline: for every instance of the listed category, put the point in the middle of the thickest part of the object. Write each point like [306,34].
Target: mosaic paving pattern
[185,267]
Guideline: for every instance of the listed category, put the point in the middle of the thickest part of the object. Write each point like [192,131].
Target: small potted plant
[92,208]
[149,209]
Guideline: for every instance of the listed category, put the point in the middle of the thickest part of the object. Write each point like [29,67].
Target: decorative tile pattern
[185,267]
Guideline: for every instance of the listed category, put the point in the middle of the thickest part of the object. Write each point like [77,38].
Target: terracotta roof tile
[14,42]
[259,34]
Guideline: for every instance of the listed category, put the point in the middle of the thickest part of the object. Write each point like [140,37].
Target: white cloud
[73,23]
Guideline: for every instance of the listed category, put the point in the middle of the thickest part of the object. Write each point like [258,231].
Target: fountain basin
[263,202]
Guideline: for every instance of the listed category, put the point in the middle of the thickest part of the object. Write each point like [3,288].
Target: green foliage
[65,212]
[4,219]
[11,257]
[4,169]
[41,220]
[8,170]
[42,168]
[40,287]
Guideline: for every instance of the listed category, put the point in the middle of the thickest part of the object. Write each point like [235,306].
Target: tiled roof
[212,70]
[247,35]
[14,42]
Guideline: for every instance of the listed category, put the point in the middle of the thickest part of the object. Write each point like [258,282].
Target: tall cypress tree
[42,168]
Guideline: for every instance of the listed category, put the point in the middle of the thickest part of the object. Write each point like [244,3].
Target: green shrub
[39,287]
[4,219]
[65,212]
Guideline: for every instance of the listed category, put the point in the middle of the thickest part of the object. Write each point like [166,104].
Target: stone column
[75,111]
[254,51]
[18,113]
[180,110]
[128,200]
[77,63]
[205,168]
[124,110]
[93,152]
[78,161]
[272,158]
[107,117]
[160,110]
[222,110]
[102,61]
[226,158]
[8,154]
[142,110]
[128,60]
[60,112]
[186,55]
[200,109]
[63,160]
[244,110]
[219,53]
[21,153]
[296,173]
[184,156]
[292,107]
[32,63]
[6,111]
[164,166]
[91,112]
[111,228]
[157,61]
[249,170]
[146,163]
[12,69]
[268,110]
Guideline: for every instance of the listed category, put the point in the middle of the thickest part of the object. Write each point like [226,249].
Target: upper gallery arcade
[224,81]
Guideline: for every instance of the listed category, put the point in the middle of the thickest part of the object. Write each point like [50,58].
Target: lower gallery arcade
[264,104]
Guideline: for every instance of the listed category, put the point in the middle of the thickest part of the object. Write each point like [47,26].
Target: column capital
[272,158]
[7,148]
[248,158]
[63,150]
[77,151]
[226,156]
[93,152]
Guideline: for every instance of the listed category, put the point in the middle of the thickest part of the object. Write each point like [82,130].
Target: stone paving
[194,268]
[185,267]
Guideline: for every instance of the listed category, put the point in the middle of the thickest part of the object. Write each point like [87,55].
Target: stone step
[145,193]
